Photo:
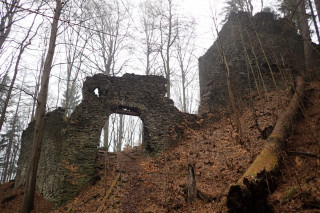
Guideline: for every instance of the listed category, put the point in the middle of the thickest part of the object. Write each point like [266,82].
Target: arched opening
[73,146]
[124,132]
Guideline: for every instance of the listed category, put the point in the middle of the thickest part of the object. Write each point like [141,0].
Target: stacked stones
[67,162]
[281,44]
[48,176]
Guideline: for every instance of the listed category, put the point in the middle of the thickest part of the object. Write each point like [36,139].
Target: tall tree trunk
[28,200]
[107,60]
[231,96]
[184,98]
[305,33]
[120,133]
[140,139]
[12,163]
[169,44]
[37,86]
[148,61]
[11,138]
[106,134]
[16,149]
[314,20]
[317,3]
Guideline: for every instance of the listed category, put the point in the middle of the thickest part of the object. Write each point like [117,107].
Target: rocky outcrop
[263,53]
[69,149]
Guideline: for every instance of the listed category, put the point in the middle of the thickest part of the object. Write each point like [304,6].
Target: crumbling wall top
[141,85]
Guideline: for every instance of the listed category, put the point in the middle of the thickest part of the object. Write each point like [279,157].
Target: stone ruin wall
[70,145]
[67,161]
[48,176]
[283,48]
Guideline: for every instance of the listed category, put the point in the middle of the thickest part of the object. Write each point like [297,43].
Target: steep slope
[132,182]
[159,184]
[299,183]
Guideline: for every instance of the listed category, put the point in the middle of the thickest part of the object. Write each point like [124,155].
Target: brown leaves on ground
[299,182]
[11,200]
[159,184]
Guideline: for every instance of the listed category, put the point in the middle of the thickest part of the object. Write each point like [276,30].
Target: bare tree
[118,143]
[132,127]
[231,96]
[185,48]
[28,200]
[75,41]
[22,46]
[109,41]
[149,22]
[168,34]
[37,79]
[8,11]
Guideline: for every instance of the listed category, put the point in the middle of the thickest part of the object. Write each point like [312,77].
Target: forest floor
[131,182]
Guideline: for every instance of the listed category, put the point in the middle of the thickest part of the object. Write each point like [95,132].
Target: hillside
[129,181]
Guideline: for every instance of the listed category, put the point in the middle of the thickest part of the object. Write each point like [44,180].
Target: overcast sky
[201,10]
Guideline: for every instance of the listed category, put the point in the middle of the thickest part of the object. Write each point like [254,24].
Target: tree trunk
[314,20]
[251,190]
[169,44]
[11,138]
[231,96]
[307,44]
[317,3]
[106,134]
[120,133]
[28,200]
[192,187]
[37,86]
[12,163]
[184,98]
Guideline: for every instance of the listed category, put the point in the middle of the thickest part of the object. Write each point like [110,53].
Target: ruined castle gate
[70,146]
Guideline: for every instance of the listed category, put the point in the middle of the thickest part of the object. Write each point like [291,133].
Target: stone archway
[138,95]
[142,96]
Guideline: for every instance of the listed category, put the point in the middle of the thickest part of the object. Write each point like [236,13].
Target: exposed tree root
[251,191]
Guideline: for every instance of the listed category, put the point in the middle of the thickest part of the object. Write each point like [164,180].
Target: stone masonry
[69,149]
[281,44]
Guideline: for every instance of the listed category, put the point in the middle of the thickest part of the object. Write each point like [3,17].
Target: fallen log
[250,192]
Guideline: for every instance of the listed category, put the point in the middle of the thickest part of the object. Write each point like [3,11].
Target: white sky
[201,10]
